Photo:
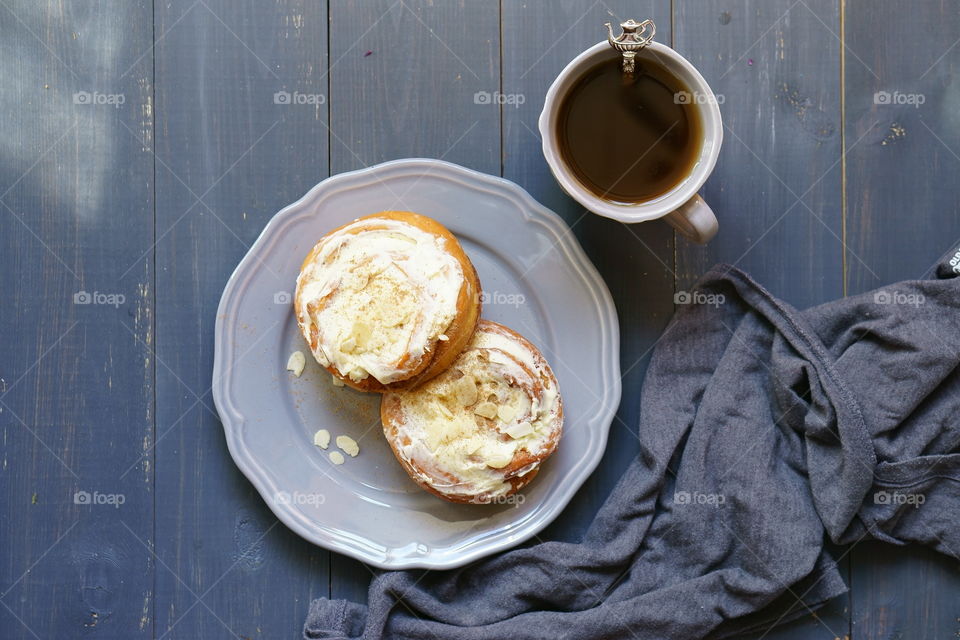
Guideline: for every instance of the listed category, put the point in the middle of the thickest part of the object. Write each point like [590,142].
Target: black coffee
[629,138]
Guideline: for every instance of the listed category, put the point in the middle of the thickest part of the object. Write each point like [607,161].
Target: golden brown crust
[394,419]
[442,352]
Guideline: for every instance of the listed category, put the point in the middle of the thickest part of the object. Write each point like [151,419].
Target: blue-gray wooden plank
[539,39]
[76,385]
[403,81]
[229,156]
[775,68]
[902,99]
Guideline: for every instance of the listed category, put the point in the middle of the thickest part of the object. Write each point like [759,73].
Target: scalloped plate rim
[233,420]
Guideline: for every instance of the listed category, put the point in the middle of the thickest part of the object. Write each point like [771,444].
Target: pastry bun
[478,432]
[387,301]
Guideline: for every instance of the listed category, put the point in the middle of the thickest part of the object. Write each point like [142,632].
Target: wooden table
[144,145]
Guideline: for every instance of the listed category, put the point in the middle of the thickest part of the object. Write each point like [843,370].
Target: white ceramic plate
[536,279]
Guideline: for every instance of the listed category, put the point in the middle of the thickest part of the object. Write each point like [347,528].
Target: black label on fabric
[950,267]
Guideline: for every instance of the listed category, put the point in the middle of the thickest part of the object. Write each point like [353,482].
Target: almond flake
[499,460]
[442,409]
[349,445]
[322,438]
[487,410]
[361,333]
[520,430]
[466,390]
[296,362]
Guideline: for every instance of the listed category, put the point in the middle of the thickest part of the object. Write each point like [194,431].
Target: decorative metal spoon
[630,41]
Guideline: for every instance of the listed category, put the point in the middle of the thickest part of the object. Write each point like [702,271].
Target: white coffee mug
[681,206]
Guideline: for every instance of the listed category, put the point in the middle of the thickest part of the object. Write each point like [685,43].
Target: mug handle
[695,220]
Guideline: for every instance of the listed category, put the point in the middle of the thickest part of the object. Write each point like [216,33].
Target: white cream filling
[390,294]
[443,427]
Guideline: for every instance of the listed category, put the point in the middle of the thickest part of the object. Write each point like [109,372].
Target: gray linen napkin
[764,432]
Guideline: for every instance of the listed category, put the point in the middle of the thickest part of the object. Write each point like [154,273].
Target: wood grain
[901,199]
[230,154]
[776,189]
[76,384]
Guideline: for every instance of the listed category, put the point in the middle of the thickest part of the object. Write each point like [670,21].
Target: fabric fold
[764,433]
